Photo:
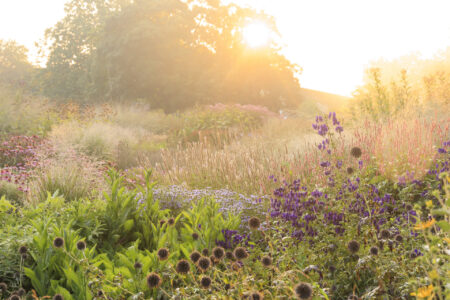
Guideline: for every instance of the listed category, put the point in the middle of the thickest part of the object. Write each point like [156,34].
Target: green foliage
[160,52]
[15,69]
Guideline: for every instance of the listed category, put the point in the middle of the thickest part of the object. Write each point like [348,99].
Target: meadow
[165,149]
[221,202]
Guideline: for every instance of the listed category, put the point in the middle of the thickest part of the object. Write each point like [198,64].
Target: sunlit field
[169,150]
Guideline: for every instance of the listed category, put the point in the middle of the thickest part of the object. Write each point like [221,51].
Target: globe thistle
[162,222]
[205,282]
[356,152]
[21,292]
[14,297]
[3,287]
[240,253]
[183,266]
[23,250]
[195,236]
[171,221]
[353,246]
[385,234]
[163,254]
[408,207]
[374,250]
[137,265]
[81,245]
[229,255]
[350,170]
[266,261]
[153,280]
[399,238]
[204,263]
[218,252]
[58,242]
[205,252]
[58,297]
[227,286]
[254,223]
[256,296]
[303,291]
[195,256]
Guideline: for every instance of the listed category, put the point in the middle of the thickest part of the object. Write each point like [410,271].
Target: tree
[15,69]
[172,53]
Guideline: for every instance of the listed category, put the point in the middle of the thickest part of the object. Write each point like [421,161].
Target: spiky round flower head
[353,246]
[352,297]
[356,152]
[58,242]
[195,236]
[374,250]
[3,287]
[195,256]
[205,252]
[14,297]
[227,286]
[303,291]
[240,253]
[21,292]
[205,282]
[254,223]
[81,245]
[256,296]
[153,280]
[137,265]
[218,252]
[171,221]
[58,297]
[163,254]
[162,222]
[408,207]
[229,255]
[183,266]
[350,170]
[399,238]
[204,263]
[23,250]
[385,234]
[266,261]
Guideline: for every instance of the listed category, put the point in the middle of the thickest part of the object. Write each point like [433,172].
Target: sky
[333,41]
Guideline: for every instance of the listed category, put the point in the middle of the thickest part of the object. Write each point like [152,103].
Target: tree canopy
[172,53]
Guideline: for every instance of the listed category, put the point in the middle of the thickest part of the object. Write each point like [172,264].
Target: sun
[256,34]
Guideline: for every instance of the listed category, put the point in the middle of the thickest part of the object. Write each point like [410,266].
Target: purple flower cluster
[232,238]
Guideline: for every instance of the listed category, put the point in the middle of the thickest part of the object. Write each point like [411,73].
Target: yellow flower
[425,292]
[425,225]
[429,203]
[447,240]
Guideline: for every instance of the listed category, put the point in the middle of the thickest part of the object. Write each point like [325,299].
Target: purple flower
[442,150]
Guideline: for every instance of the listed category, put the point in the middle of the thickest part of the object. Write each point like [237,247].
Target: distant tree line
[171,54]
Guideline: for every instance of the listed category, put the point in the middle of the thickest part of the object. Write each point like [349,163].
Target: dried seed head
[153,280]
[266,261]
[240,253]
[356,152]
[58,242]
[183,266]
[218,252]
[353,246]
[254,223]
[303,291]
[195,256]
[163,254]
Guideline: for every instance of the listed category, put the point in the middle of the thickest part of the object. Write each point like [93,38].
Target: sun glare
[256,35]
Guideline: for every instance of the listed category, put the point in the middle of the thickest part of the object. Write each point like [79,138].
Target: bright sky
[331,40]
